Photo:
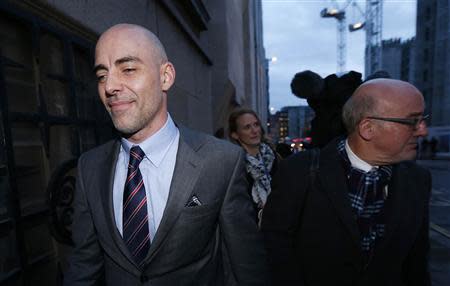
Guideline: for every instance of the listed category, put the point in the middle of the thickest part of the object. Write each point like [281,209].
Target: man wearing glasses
[356,213]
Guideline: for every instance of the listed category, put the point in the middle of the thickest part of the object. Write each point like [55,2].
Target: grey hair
[356,108]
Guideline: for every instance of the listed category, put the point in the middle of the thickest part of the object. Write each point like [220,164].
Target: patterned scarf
[259,168]
[366,194]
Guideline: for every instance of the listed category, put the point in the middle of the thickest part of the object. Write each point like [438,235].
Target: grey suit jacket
[216,243]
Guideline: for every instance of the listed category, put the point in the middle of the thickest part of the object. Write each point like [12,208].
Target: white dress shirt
[157,170]
[357,162]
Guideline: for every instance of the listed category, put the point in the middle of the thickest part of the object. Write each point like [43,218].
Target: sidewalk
[439,259]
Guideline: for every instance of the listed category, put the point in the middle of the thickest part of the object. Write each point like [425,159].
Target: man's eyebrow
[120,61]
[127,59]
[99,67]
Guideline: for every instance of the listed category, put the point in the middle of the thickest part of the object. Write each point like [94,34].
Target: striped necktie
[135,217]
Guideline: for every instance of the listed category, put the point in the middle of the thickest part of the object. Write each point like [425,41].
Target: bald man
[162,205]
[355,213]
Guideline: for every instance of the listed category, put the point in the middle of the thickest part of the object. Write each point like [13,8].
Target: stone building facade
[50,112]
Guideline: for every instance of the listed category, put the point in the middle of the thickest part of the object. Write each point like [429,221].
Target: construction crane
[339,14]
[373,25]
[374,28]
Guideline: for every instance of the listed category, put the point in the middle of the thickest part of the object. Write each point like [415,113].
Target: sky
[300,39]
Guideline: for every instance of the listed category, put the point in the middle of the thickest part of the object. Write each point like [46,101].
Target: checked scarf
[366,194]
[259,169]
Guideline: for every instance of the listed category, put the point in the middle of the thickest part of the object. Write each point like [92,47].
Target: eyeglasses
[413,122]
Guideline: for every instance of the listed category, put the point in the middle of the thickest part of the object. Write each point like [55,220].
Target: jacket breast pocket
[193,234]
[202,211]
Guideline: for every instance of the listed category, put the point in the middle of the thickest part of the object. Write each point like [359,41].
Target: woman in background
[244,128]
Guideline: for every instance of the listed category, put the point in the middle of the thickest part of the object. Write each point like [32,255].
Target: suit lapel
[106,186]
[333,180]
[395,204]
[185,175]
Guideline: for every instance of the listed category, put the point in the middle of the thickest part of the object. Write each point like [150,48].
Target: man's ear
[366,129]
[167,76]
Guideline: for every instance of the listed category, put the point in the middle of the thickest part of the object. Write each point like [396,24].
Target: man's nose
[422,130]
[113,84]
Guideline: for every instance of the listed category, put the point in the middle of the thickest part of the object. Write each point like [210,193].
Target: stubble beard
[130,124]
[133,121]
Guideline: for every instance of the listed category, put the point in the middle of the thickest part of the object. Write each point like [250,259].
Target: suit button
[144,278]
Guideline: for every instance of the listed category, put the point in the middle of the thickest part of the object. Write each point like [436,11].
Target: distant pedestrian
[357,212]
[244,127]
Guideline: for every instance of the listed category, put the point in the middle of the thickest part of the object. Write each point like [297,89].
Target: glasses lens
[420,120]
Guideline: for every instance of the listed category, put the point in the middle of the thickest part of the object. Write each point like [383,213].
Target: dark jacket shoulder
[295,161]
[412,165]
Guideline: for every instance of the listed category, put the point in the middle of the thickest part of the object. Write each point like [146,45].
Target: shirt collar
[156,146]
[357,162]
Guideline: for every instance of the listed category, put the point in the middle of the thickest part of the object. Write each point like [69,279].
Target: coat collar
[398,200]
[332,178]
[186,173]
[106,177]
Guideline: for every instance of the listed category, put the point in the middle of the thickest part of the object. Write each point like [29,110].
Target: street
[439,221]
